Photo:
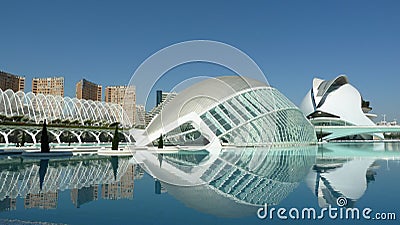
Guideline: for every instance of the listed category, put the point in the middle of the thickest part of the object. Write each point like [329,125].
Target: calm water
[199,187]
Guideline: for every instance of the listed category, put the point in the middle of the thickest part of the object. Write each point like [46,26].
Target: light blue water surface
[105,190]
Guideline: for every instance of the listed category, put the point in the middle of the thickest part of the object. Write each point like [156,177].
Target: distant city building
[158,97]
[47,200]
[10,81]
[159,188]
[48,86]
[125,96]
[140,120]
[162,98]
[84,195]
[88,90]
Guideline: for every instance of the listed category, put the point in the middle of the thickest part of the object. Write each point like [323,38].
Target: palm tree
[160,142]
[115,141]
[44,139]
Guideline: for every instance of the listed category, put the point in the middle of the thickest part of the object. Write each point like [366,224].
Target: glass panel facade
[260,116]
[266,117]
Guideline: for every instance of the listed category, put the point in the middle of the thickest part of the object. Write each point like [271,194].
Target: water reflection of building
[122,189]
[47,200]
[8,204]
[344,170]
[340,179]
[81,175]
[159,188]
[236,182]
[84,195]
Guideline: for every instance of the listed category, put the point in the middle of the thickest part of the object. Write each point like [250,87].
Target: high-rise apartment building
[162,98]
[48,86]
[88,90]
[140,119]
[124,96]
[10,81]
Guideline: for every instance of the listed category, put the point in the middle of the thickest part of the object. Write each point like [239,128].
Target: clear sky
[292,41]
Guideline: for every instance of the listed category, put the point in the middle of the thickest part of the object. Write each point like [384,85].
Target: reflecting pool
[201,187]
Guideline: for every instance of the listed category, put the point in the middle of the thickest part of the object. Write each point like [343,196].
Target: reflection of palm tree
[160,158]
[44,163]
[160,141]
[114,164]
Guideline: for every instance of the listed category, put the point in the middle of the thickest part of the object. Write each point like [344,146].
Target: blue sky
[291,41]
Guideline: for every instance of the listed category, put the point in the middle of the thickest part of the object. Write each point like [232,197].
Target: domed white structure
[337,103]
[229,110]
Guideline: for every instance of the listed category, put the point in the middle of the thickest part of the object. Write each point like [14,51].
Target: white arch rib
[39,107]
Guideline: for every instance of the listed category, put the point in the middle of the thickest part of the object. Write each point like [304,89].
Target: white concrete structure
[37,108]
[230,110]
[337,103]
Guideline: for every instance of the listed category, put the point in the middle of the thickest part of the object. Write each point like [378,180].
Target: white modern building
[337,103]
[229,110]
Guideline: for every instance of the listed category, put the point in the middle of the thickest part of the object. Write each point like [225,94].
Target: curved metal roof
[202,96]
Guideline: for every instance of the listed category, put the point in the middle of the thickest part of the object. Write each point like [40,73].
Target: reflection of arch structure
[233,110]
[37,108]
[233,183]
[337,103]
[75,174]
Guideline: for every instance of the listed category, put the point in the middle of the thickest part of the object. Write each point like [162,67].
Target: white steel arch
[37,108]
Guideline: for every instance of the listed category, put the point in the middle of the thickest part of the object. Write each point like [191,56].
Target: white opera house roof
[229,110]
[37,108]
[337,103]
